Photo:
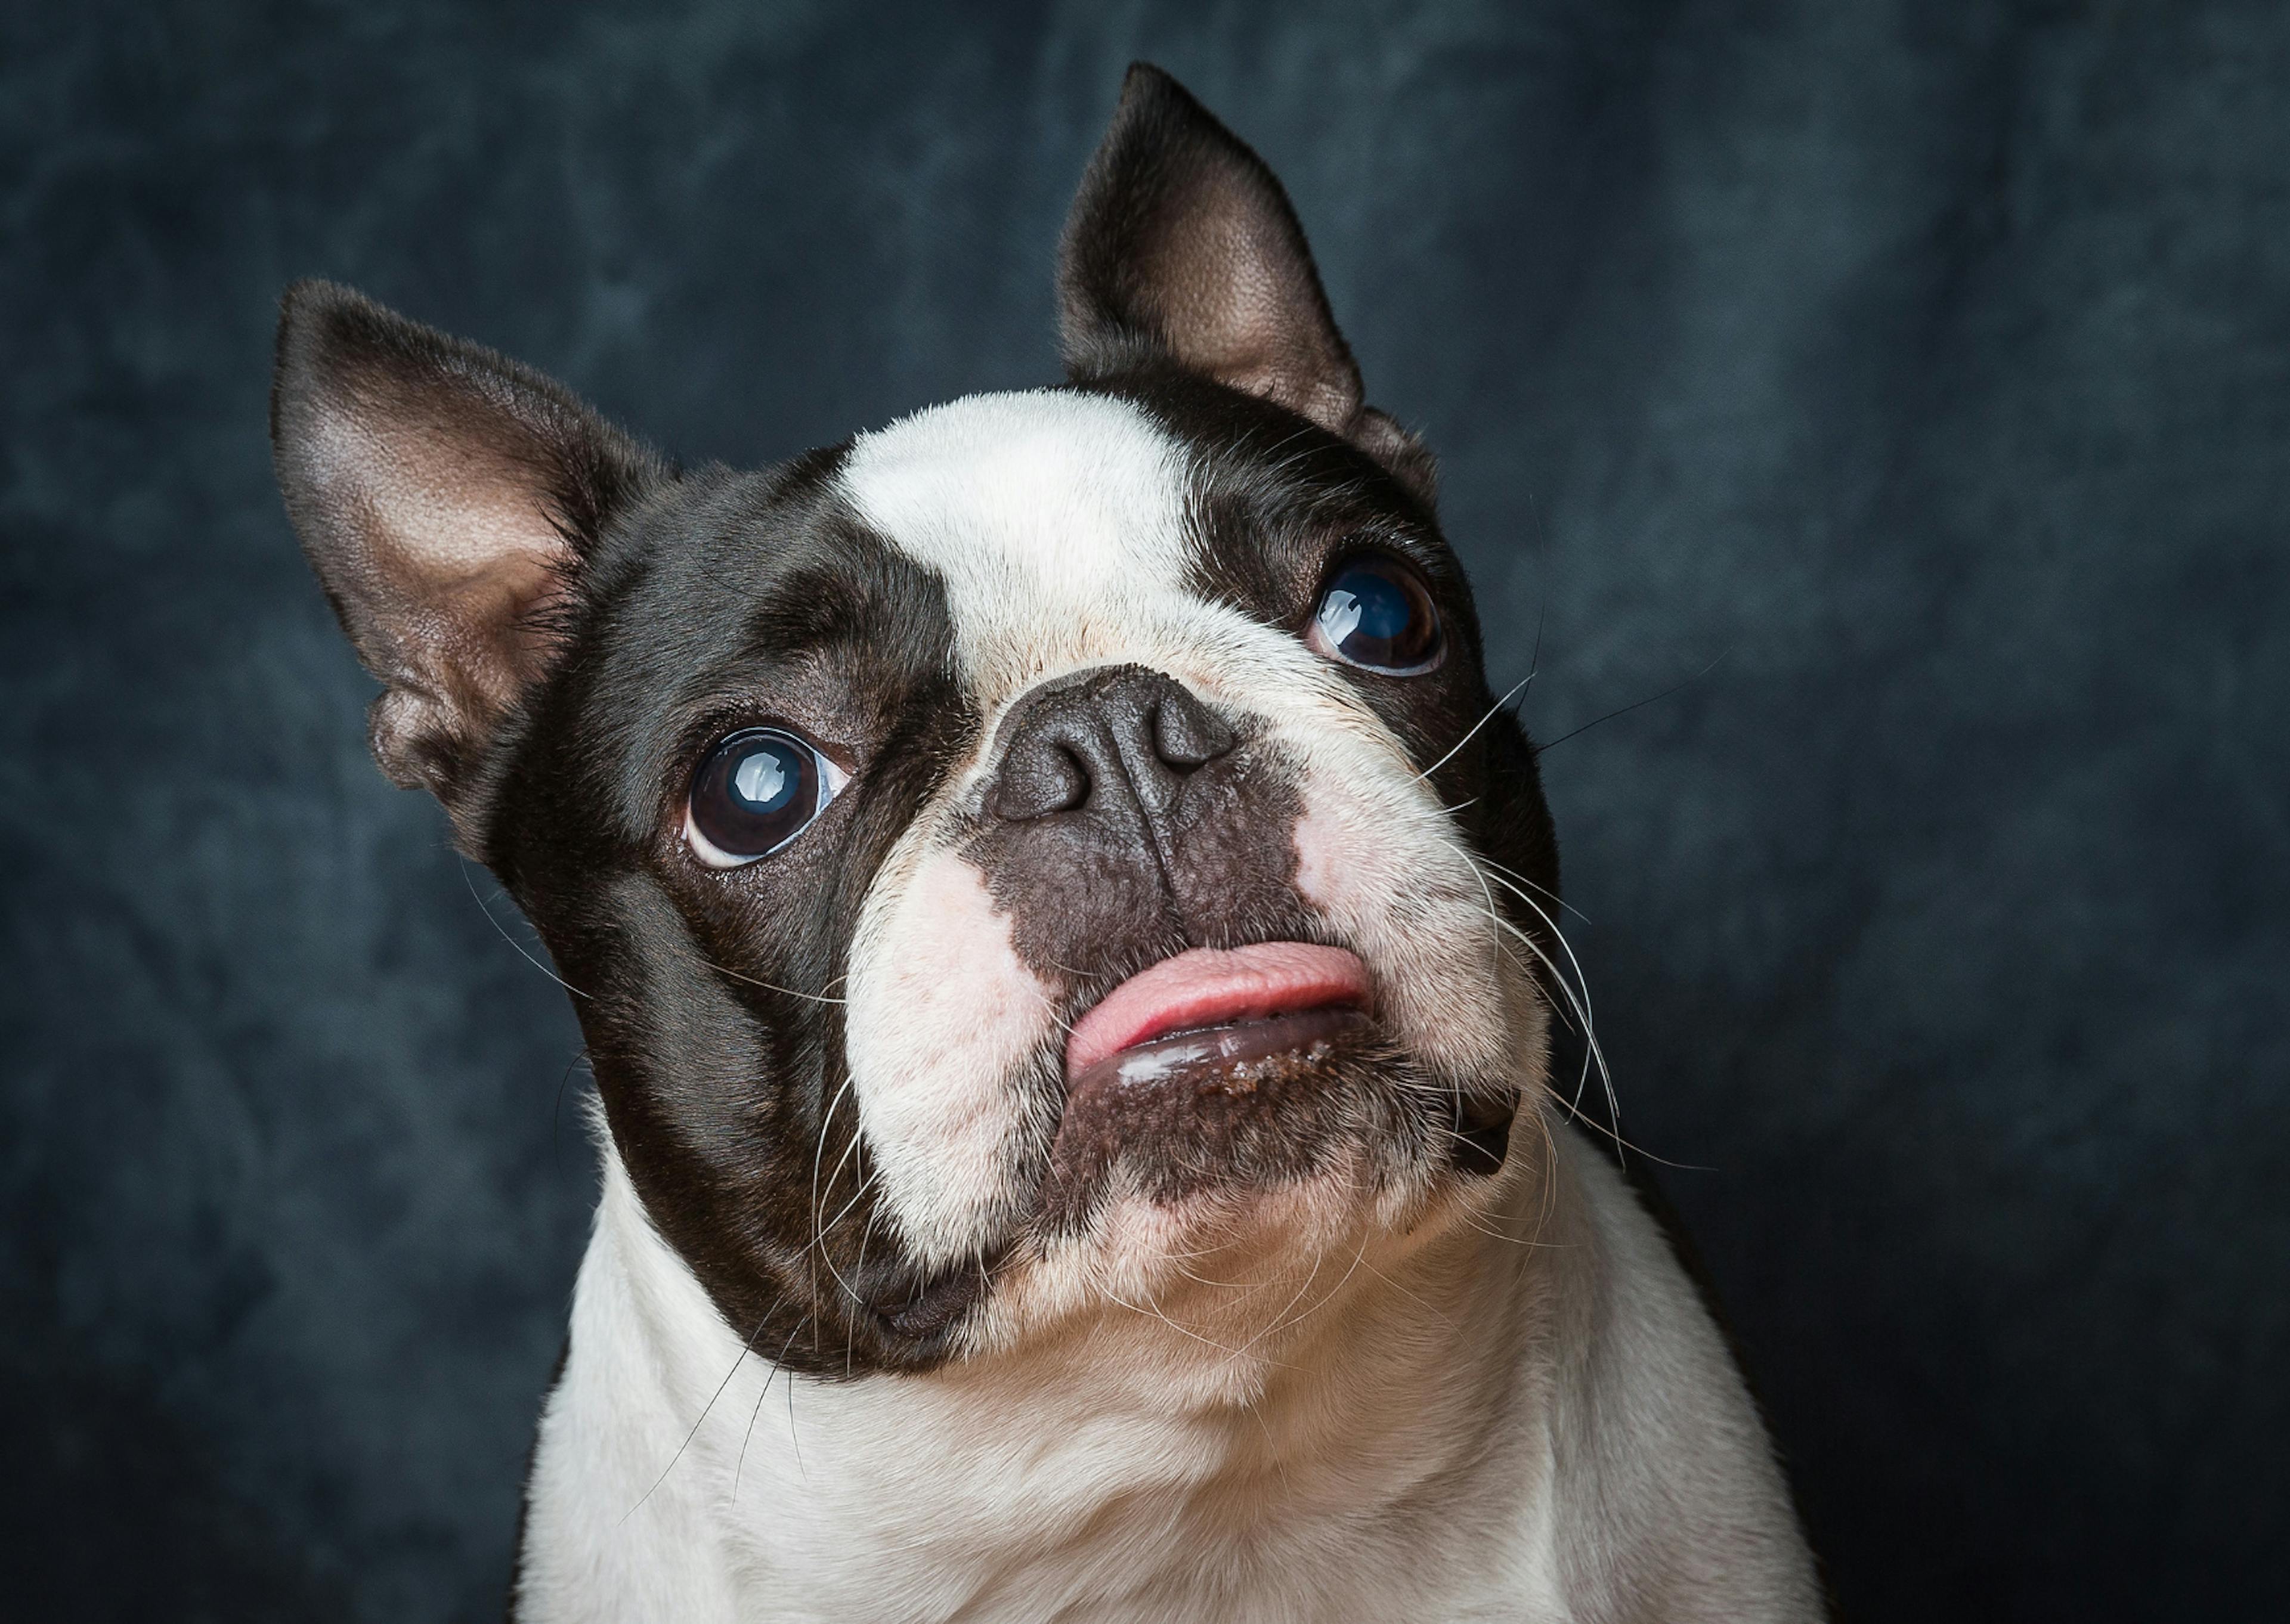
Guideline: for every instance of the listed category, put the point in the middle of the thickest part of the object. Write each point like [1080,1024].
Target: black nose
[1117,741]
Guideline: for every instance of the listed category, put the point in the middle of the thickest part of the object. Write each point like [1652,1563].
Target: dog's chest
[1022,1495]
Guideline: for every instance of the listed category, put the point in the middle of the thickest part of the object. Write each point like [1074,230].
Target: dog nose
[1114,739]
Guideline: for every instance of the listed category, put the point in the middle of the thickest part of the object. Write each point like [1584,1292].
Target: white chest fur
[1541,1424]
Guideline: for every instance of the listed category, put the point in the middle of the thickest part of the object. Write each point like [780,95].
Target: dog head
[1005,858]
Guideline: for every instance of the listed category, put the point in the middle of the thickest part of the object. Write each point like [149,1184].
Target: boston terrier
[1066,942]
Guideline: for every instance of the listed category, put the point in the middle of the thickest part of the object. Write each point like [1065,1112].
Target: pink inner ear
[1209,986]
[1181,244]
[1239,304]
[426,477]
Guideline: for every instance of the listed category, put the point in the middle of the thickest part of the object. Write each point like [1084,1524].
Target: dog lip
[1210,988]
[1229,1106]
[1219,1055]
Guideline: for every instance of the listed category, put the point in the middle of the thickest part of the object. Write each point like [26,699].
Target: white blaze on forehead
[1055,519]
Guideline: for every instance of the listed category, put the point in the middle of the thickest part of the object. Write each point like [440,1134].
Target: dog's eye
[755,792]
[1376,613]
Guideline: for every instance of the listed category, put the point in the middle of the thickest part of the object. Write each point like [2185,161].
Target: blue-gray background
[1910,382]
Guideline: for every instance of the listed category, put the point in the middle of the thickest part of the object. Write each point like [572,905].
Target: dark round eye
[755,792]
[1375,612]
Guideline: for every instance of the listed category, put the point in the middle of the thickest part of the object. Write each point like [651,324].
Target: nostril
[1038,780]
[1101,740]
[1186,733]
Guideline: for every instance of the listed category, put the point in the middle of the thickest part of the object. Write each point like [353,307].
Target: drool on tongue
[1210,986]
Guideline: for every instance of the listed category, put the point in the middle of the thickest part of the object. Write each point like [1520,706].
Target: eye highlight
[753,793]
[1375,612]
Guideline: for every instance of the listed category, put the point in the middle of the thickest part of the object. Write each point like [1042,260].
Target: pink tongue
[1207,987]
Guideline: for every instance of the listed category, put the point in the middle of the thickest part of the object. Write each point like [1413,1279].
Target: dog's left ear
[1183,247]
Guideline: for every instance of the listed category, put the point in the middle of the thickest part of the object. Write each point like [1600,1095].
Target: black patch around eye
[756,791]
[1375,612]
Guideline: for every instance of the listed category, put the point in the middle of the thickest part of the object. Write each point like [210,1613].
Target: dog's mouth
[1223,1066]
[1218,1008]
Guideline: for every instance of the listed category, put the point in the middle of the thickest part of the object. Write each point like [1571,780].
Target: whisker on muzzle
[773,986]
[1576,992]
[1517,688]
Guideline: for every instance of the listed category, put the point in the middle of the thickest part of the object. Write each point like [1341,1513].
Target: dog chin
[1225,1238]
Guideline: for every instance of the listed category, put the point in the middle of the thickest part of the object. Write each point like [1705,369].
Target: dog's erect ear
[1182,246]
[445,496]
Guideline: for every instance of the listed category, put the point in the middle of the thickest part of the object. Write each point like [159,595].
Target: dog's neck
[1489,1426]
[1129,1456]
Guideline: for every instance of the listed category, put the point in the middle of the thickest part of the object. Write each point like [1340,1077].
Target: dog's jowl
[1064,935]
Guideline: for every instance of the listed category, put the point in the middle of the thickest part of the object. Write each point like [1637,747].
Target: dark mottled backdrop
[1902,387]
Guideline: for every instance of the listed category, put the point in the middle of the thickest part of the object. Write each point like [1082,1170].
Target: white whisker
[1475,726]
[773,985]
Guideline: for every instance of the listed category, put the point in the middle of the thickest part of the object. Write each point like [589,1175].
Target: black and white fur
[867,1329]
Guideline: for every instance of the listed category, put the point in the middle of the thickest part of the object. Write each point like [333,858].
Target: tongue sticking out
[1208,986]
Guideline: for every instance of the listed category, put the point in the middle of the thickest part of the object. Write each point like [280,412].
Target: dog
[1065,940]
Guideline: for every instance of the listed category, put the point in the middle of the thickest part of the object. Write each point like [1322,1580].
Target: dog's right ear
[446,497]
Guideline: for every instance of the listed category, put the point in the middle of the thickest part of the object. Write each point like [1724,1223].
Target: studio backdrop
[1867,424]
